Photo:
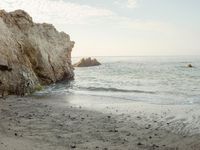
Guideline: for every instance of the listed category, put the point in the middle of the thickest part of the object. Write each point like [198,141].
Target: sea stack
[31,54]
[87,62]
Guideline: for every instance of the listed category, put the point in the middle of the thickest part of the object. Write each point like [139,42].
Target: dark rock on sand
[87,62]
[139,144]
[73,146]
[31,54]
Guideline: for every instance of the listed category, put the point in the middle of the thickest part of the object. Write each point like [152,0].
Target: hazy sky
[121,27]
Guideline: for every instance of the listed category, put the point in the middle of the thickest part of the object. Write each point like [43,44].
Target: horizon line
[136,55]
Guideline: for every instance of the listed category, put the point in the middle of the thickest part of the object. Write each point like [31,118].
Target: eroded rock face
[31,54]
[87,62]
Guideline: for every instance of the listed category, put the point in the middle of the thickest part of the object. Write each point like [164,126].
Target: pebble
[128,134]
[73,146]
[139,143]
[154,145]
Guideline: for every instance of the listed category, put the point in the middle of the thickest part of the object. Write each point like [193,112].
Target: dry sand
[79,122]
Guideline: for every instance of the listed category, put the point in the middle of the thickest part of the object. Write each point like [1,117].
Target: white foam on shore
[180,119]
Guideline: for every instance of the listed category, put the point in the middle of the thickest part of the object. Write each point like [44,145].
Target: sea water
[150,79]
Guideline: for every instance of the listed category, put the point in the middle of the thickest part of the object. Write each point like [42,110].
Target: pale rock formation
[87,62]
[31,54]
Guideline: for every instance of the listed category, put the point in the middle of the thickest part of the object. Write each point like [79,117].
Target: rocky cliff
[31,54]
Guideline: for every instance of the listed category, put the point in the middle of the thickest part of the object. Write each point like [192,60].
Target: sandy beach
[99,75]
[74,122]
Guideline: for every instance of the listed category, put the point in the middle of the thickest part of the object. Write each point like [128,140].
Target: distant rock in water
[31,54]
[190,66]
[87,62]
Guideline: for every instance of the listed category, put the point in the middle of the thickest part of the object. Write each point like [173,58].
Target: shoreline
[186,115]
[86,122]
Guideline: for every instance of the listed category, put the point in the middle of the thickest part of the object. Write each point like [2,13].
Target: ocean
[152,79]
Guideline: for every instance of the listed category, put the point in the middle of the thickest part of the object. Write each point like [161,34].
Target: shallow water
[158,80]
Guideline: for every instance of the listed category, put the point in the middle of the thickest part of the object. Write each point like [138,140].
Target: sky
[120,27]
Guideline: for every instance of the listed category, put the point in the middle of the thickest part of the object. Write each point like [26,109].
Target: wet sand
[80,122]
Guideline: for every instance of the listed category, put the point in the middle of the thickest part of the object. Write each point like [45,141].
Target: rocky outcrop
[189,66]
[31,54]
[87,62]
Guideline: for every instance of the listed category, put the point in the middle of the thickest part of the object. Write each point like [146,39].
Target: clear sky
[121,27]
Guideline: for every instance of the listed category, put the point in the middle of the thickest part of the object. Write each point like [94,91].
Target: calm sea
[158,80]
